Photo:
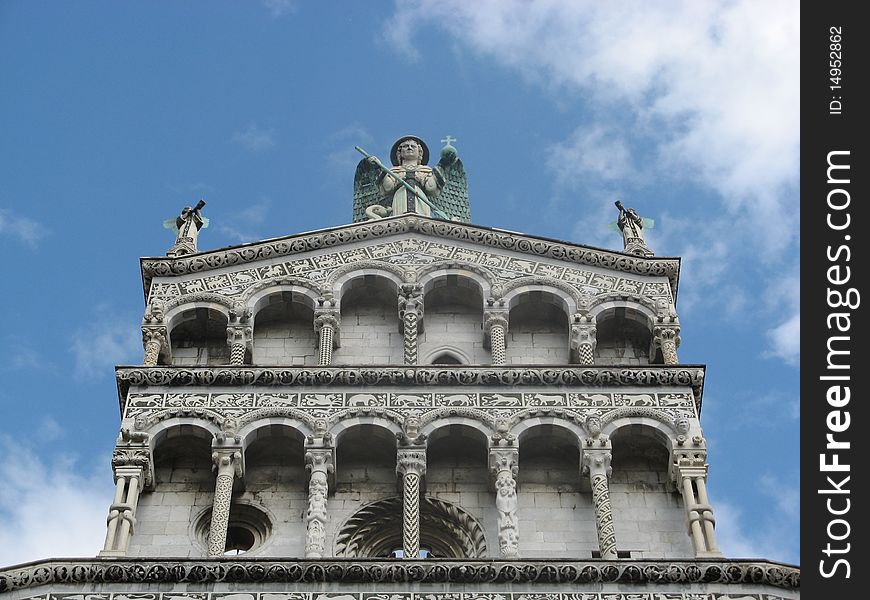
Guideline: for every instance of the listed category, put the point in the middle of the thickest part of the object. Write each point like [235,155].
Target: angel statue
[411,185]
[187,226]
[631,225]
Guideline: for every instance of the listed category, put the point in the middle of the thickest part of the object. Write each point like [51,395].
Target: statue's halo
[425,159]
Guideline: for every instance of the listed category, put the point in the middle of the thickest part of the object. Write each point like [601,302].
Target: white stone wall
[455,328]
[287,343]
[369,336]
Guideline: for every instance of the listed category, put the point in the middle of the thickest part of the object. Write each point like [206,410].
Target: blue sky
[115,115]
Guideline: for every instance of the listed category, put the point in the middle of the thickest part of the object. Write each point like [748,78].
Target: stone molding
[366,376]
[467,571]
[326,238]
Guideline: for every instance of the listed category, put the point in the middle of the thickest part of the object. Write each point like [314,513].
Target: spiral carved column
[326,325]
[583,339]
[239,339]
[411,467]
[227,463]
[596,462]
[668,339]
[410,320]
[155,341]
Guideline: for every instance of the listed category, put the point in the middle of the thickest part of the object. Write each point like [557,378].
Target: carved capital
[411,300]
[597,462]
[689,463]
[328,317]
[665,333]
[504,459]
[239,334]
[133,458]
[320,459]
[493,318]
[155,340]
[583,331]
[411,461]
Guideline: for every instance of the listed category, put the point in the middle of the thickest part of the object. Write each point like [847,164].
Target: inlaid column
[410,319]
[155,340]
[411,467]
[503,465]
[596,464]
[228,465]
[326,325]
[583,339]
[495,328]
[319,461]
[131,464]
[667,337]
[240,342]
[691,473]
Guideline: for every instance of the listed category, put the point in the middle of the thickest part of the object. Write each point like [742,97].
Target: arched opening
[538,330]
[623,337]
[549,477]
[454,315]
[199,337]
[284,331]
[369,323]
[648,514]
[446,358]
[446,531]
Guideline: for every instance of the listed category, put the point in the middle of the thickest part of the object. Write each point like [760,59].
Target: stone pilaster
[583,339]
[156,342]
[596,464]
[410,319]
[667,337]
[411,467]
[131,464]
[503,465]
[240,341]
[495,328]
[327,325]
[319,461]
[690,472]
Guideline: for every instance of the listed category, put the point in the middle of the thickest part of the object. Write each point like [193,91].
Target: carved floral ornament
[206,262]
[660,573]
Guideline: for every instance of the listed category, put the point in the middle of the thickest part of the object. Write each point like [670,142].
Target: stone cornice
[335,570]
[370,230]
[366,376]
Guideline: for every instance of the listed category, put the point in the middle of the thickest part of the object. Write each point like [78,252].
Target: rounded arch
[484,279]
[343,426]
[643,309]
[302,291]
[439,426]
[526,424]
[566,296]
[265,425]
[339,279]
[168,423]
[433,418]
[181,311]
[645,422]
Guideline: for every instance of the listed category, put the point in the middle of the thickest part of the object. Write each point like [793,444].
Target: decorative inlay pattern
[469,571]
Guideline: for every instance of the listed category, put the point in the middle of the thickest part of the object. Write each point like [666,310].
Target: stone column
[228,464]
[495,328]
[155,340]
[240,340]
[596,464]
[583,339]
[410,319]
[326,324]
[503,465]
[131,463]
[667,337]
[411,466]
[691,473]
[319,461]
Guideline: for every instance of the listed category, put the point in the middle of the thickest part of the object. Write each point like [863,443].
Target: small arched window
[446,359]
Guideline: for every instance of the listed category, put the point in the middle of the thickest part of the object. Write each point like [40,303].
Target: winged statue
[411,185]
[186,227]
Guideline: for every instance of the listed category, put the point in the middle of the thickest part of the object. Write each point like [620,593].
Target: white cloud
[717,81]
[49,508]
[594,150]
[279,8]
[255,138]
[785,340]
[106,341]
[22,228]
[242,226]
[748,536]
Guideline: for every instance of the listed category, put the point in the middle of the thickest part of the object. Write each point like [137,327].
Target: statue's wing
[170,225]
[648,223]
[614,225]
[365,189]
[453,199]
[205,222]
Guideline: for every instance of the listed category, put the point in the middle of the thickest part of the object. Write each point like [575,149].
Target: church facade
[409,406]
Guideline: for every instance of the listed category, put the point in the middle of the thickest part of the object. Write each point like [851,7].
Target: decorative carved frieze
[661,574]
